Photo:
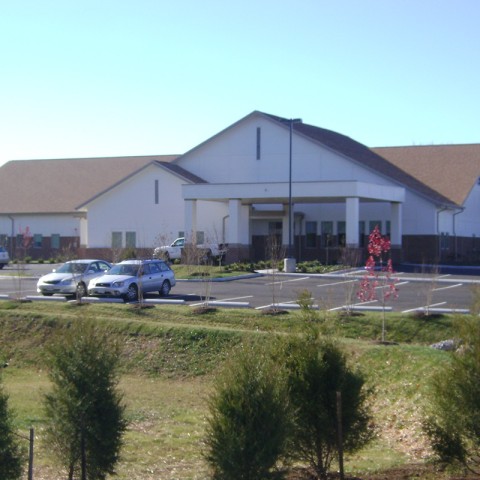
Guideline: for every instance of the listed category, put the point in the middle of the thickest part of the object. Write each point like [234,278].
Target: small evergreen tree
[84,410]
[453,420]
[317,370]
[11,453]
[249,419]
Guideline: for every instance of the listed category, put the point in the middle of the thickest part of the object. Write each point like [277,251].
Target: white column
[396,224]
[352,218]
[190,219]
[83,232]
[238,232]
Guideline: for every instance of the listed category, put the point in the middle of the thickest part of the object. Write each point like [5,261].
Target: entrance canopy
[302,192]
[240,196]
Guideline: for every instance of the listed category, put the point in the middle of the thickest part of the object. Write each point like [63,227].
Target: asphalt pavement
[444,290]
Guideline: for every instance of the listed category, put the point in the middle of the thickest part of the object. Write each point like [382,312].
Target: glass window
[372,224]
[116,239]
[311,234]
[341,232]
[37,240]
[327,233]
[444,241]
[259,137]
[103,266]
[130,239]
[154,268]
[55,240]
[361,233]
[200,238]
[164,267]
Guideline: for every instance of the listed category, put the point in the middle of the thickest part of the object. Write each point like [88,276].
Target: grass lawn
[170,356]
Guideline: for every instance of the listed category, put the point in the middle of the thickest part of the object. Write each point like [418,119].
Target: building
[237,187]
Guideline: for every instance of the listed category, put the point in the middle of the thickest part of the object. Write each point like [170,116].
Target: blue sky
[145,77]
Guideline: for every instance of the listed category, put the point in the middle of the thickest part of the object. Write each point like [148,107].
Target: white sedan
[72,277]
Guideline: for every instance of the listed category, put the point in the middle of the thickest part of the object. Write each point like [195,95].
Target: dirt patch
[274,311]
[203,310]
[404,472]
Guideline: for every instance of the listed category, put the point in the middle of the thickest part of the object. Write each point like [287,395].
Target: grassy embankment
[170,355]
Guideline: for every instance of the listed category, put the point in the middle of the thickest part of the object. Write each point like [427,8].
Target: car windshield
[73,267]
[130,269]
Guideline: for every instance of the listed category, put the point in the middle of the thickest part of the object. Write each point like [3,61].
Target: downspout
[438,233]
[462,209]
[11,237]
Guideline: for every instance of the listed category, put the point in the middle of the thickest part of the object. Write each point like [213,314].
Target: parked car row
[4,257]
[94,277]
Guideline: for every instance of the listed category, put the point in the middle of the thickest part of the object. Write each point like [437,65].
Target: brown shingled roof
[367,157]
[449,169]
[59,186]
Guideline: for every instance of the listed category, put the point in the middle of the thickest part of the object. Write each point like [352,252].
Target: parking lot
[447,292]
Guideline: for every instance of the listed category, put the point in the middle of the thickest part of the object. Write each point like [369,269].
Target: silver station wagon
[130,278]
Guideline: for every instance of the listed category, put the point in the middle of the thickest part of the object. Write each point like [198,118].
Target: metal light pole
[291,121]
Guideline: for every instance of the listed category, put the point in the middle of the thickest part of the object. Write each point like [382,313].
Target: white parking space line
[446,288]
[395,284]
[424,307]
[235,298]
[270,305]
[279,282]
[336,283]
[354,272]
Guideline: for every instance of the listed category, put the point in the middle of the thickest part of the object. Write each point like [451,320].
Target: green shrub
[249,419]
[84,409]
[453,417]
[11,453]
[317,370]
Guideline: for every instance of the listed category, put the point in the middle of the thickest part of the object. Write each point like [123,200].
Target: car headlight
[117,284]
[68,281]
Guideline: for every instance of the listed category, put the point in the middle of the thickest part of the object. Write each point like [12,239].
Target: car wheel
[132,293]
[1,265]
[166,256]
[165,288]
[81,290]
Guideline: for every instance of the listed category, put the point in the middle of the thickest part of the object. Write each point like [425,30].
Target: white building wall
[467,223]
[65,225]
[131,207]
[231,157]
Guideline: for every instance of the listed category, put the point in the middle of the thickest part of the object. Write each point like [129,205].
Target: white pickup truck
[174,250]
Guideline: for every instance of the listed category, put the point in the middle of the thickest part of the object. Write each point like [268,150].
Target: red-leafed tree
[378,282]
